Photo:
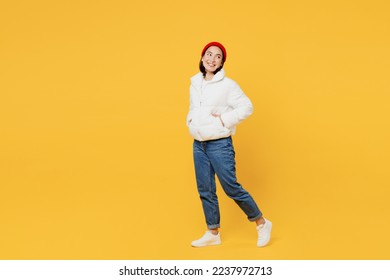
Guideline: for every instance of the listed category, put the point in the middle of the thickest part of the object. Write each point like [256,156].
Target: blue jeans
[218,157]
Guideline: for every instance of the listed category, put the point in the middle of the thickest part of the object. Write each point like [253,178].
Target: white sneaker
[264,233]
[207,239]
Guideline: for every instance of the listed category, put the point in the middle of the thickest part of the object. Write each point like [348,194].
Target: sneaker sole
[208,244]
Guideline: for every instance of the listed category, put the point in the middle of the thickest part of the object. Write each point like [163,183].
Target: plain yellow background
[96,160]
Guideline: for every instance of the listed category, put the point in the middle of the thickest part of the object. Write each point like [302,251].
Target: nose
[211,58]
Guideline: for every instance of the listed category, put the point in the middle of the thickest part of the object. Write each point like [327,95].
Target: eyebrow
[212,52]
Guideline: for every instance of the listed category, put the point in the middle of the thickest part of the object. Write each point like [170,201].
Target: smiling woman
[217,106]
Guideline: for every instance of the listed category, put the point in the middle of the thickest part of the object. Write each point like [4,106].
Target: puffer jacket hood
[198,79]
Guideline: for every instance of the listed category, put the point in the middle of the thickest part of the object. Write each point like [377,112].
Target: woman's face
[212,59]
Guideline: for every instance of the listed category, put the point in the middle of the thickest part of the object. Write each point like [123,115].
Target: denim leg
[205,179]
[222,156]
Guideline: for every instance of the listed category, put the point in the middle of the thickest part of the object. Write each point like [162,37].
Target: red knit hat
[219,45]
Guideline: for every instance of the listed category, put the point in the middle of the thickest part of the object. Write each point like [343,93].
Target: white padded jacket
[221,96]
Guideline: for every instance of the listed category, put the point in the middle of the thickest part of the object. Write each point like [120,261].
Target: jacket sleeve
[241,104]
[189,118]
[189,115]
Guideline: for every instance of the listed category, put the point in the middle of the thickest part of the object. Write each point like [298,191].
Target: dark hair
[203,70]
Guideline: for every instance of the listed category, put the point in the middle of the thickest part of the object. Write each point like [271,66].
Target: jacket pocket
[213,130]
[194,131]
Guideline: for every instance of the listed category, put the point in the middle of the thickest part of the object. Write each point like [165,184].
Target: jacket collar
[197,79]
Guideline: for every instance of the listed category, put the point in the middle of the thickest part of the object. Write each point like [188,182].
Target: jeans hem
[213,226]
[255,218]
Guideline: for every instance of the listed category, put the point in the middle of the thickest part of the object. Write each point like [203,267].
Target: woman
[217,105]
